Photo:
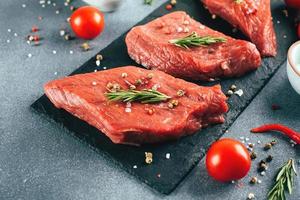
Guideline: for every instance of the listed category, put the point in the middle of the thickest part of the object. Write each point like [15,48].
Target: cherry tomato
[87,22]
[228,160]
[293,3]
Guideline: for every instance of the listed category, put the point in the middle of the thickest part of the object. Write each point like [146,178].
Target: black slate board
[186,152]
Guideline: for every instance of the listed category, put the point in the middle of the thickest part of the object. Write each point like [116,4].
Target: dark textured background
[39,161]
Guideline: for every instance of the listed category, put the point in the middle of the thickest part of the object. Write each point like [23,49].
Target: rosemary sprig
[284,181]
[149,2]
[195,40]
[143,96]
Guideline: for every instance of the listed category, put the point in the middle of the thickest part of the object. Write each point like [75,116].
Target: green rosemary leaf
[195,40]
[284,181]
[143,96]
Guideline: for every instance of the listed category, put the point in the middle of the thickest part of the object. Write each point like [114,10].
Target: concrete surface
[38,160]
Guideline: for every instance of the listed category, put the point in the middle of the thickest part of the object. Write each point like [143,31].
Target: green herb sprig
[143,96]
[284,181]
[195,40]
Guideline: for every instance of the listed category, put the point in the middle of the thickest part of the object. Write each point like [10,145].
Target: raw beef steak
[135,123]
[252,17]
[149,45]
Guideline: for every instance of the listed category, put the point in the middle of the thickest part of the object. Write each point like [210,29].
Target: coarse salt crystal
[134,166]
[179,29]
[54,52]
[242,138]
[259,181]
[54,4]
[8,41]
[9,30]
[24,5]
[128,105]
[57,12]
[98,62]
[29,55]
[128,110]
[43,6]
[168,155]
[239,92]
[278,22]
[62,32]
[16,34]
[202,27]
[155,86]
[48,2]
[55,73]
[262,173]
[186,30]
[284,36]
[71,52]
[94,83]
[258,142]
[251,196]
[186,22]
[104,67]
[247,139]
[95,70]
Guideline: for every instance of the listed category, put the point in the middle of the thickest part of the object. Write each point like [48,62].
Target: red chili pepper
[295,136]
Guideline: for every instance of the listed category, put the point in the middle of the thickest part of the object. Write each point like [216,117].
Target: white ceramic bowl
[293,66]
[104,5]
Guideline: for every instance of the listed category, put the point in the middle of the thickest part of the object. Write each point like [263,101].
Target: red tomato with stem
[293,3]
[87,22]
[228,160]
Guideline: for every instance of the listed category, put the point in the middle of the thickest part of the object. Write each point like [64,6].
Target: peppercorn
[138,82]
[251,145]
[173,2]
[262,167]
[229,92]
[276,107]
[124,75]
[67,37]
[180,93]
[85,46]
[34,29]
[150,76]
[269,158]
[169,7]
[253,155]
[253,180]
[99,57]
[36,38]
[148,157]
[267,146]
[233,87]
[273,142]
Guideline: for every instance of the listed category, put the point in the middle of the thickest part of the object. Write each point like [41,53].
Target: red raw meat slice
[84,96]
[149,45]
[252,17]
